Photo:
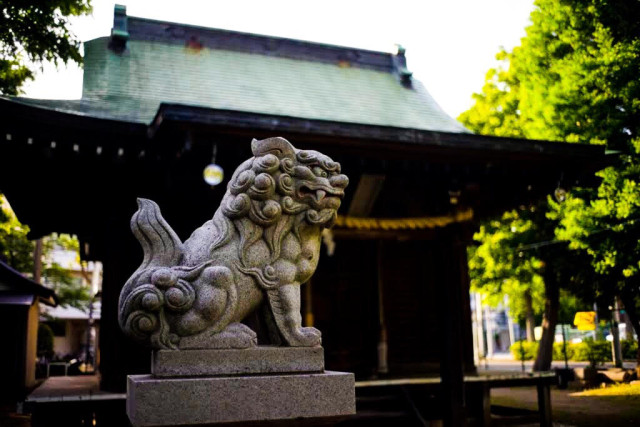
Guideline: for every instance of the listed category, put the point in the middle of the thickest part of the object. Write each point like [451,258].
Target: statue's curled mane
[261,203]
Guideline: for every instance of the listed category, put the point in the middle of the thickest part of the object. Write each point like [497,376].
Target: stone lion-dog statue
[261,245]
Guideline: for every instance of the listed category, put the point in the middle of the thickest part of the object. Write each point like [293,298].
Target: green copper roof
[145,63]
[135,81]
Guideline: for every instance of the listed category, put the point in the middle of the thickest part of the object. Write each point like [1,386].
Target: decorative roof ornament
[119,32]
[400,67]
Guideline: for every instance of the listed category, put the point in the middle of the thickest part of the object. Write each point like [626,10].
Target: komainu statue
[261,245]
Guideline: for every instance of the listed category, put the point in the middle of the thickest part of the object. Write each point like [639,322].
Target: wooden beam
[366,194]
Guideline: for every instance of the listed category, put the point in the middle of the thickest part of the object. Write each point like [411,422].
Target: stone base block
[255,360]
[153,401]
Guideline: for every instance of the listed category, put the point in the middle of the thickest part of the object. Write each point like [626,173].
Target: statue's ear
[277,146]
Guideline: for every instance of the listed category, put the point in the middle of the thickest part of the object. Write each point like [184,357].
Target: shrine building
[162,100]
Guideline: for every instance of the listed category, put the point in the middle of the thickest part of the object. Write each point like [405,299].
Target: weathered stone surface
[191,401]
[262,243]
[256,360]
[247,261]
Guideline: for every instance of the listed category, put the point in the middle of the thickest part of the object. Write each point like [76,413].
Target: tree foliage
[18,251]
[34,31]
[574,78]
[15,248]
[499,266]
[515,253]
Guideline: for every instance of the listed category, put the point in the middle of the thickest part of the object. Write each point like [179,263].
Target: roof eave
[364,133]
[23,285]
[73,119]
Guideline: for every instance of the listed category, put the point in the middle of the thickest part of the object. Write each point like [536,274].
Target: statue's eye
[318,171]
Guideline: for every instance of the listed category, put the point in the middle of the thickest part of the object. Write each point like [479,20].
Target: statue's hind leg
[207,323]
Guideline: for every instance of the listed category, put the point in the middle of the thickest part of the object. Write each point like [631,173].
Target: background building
[20,300]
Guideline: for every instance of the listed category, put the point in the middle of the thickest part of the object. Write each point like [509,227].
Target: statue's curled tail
[159,285]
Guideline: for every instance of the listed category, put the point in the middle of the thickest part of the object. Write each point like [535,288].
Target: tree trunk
[616,347]
[629,301]
[37,261]
[549,321]
[530,321]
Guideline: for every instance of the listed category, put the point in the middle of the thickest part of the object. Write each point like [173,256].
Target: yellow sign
[585,320]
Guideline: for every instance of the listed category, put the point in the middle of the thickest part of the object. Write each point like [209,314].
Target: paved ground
[568,408]
[571,410]
[56,387]
[65,390]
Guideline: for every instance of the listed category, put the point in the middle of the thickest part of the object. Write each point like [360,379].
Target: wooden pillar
[544,404]
[465,303]
[383,349]
[478,395]
[119,355]
[31,348]
[451,337]
[486,405]
[308,304]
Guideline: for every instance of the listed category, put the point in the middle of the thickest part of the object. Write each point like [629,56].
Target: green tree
[574,79]
[70,289]
[518,255]
[498,266]
[15,248]
[33,31]
[18,251]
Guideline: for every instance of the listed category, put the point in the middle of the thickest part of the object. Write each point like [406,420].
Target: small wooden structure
[20,300]
[162,100]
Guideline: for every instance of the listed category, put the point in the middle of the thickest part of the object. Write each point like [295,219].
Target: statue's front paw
[306,337]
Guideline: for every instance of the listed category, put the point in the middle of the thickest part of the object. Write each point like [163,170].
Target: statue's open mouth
[318,192]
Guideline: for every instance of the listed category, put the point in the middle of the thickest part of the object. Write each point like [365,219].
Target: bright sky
[450,43]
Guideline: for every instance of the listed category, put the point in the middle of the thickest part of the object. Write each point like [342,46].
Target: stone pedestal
[256,360]
[198,387]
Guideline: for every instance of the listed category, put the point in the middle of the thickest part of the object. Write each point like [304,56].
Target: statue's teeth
[320,194]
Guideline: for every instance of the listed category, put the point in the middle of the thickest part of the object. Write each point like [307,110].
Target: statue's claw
[306,337]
